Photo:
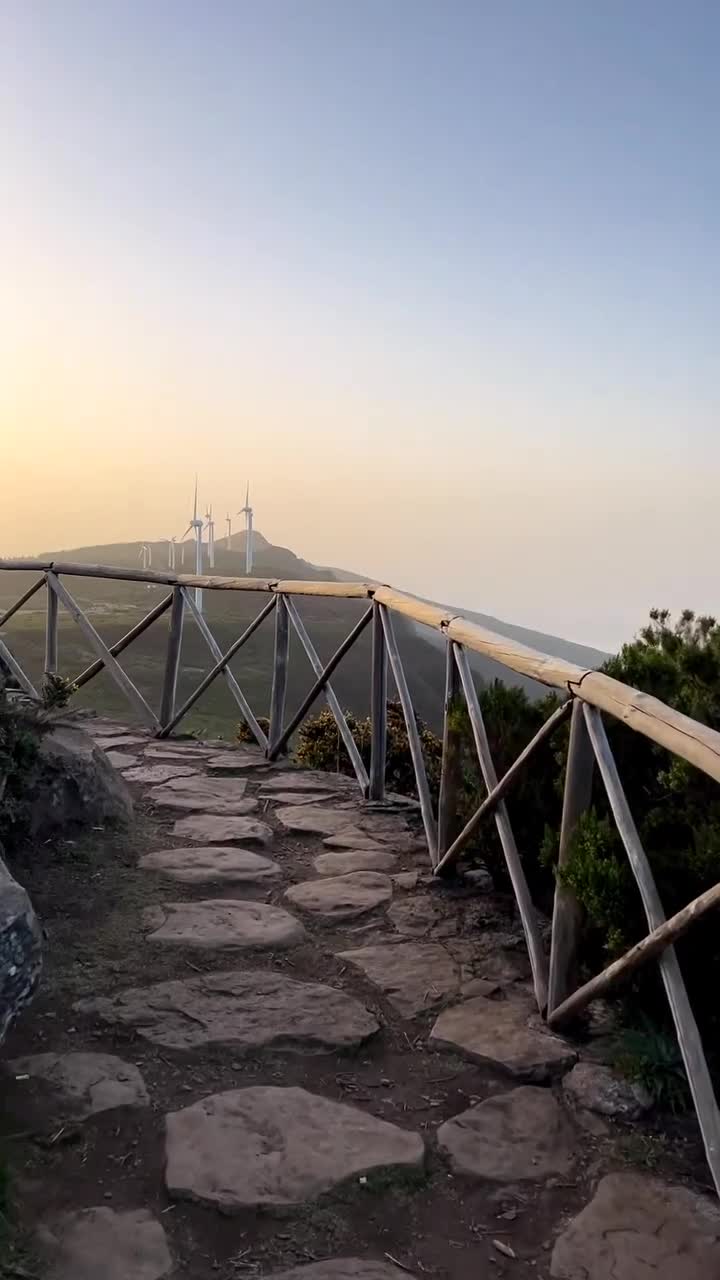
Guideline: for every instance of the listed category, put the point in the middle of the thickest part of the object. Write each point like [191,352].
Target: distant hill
[115,606]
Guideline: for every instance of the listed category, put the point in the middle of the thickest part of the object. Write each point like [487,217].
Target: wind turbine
[196,525]
[145,555]
[228,521]
[247,512]
[172,551]
[210,526]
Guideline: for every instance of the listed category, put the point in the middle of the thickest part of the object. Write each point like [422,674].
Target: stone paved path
[304,1059]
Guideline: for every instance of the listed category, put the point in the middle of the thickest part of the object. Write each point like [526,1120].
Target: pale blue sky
[444,278]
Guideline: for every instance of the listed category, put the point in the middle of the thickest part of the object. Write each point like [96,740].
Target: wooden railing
[588,693]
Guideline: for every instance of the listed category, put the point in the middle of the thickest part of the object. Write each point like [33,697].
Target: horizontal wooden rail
[649,948]
[687,738]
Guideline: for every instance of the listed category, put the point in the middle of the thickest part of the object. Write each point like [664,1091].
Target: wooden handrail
[687,738]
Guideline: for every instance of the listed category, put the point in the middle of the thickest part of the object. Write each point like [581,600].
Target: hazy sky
[442,278]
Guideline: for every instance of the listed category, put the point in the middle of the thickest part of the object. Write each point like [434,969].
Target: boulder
[594,1087]
[20,950]
[75,785]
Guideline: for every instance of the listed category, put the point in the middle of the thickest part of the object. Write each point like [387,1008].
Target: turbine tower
[210,526]
[171,552]
[145,555]
[228,521]
[247,512]
[196,525]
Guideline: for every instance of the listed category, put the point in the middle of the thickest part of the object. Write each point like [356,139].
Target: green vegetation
[20,730]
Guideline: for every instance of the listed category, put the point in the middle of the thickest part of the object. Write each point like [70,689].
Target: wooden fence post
[51,633]
[414,742]
[172,659]
[378,709]
[567,912]
[686,1028]
[280,670]
[451,768]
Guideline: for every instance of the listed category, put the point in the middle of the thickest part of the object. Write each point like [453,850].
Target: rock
[86,1083]
[209,828]
[20,950]
[117,740]
[248,1009]
[102,1244]
[353,837]
[189,801]
[159,772]
[198,865]
[637,1228]
[413,976]
[512,1137]
[341,897]
[178,751]
[223,922]
[340,861]
[276,1146]
[75,786]
[596,1088]
[478,878]
[501,1032]
[425,915]
[120,759]
[317,819]
[406,880]
[309,780]
[342,1269]
[234,762]
[294,798]
[214,788]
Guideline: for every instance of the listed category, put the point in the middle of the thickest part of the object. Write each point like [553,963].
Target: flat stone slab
[513,1137]
[105,1244]
[501,1032]
[341,897]
[216,788]
[353,837]
[191,802]
[424,915]
[233,762]
[342,1269]
[319,820]
[212,863]
[158,772]
[339,862]
[86,1083]
[223,922]
[293,797]
[120,759]
[637,1228]
[248,1009]
[594,1087]
[213,828]
[413,976]
[308,780]
[275,1146]
[180,751]
[111,743]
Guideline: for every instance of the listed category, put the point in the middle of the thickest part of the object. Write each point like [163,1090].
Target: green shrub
[20,730]
[244,733]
